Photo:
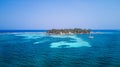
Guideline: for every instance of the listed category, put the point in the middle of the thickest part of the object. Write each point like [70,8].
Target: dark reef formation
[69,31]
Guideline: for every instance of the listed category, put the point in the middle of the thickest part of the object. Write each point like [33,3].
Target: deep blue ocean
[30,48]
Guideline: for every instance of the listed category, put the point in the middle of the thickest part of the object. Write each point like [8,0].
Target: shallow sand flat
[31,35]
[79,42]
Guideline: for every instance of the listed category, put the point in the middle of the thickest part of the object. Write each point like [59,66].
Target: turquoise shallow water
[34,49]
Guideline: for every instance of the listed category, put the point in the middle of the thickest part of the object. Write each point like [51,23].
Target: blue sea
[35,48]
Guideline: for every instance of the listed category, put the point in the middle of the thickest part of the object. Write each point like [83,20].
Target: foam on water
[78,43]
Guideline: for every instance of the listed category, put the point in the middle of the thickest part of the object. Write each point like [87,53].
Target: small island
[68,31]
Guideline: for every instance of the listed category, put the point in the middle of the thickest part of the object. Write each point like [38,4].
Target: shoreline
[55,34]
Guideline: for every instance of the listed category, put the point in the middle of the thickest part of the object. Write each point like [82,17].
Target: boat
[90,36]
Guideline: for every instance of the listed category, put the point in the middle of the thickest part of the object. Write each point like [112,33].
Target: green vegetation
[69,31]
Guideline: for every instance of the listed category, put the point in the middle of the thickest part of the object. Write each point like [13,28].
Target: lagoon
[36,49]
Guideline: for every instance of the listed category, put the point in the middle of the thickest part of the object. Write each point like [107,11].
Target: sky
[59,14]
